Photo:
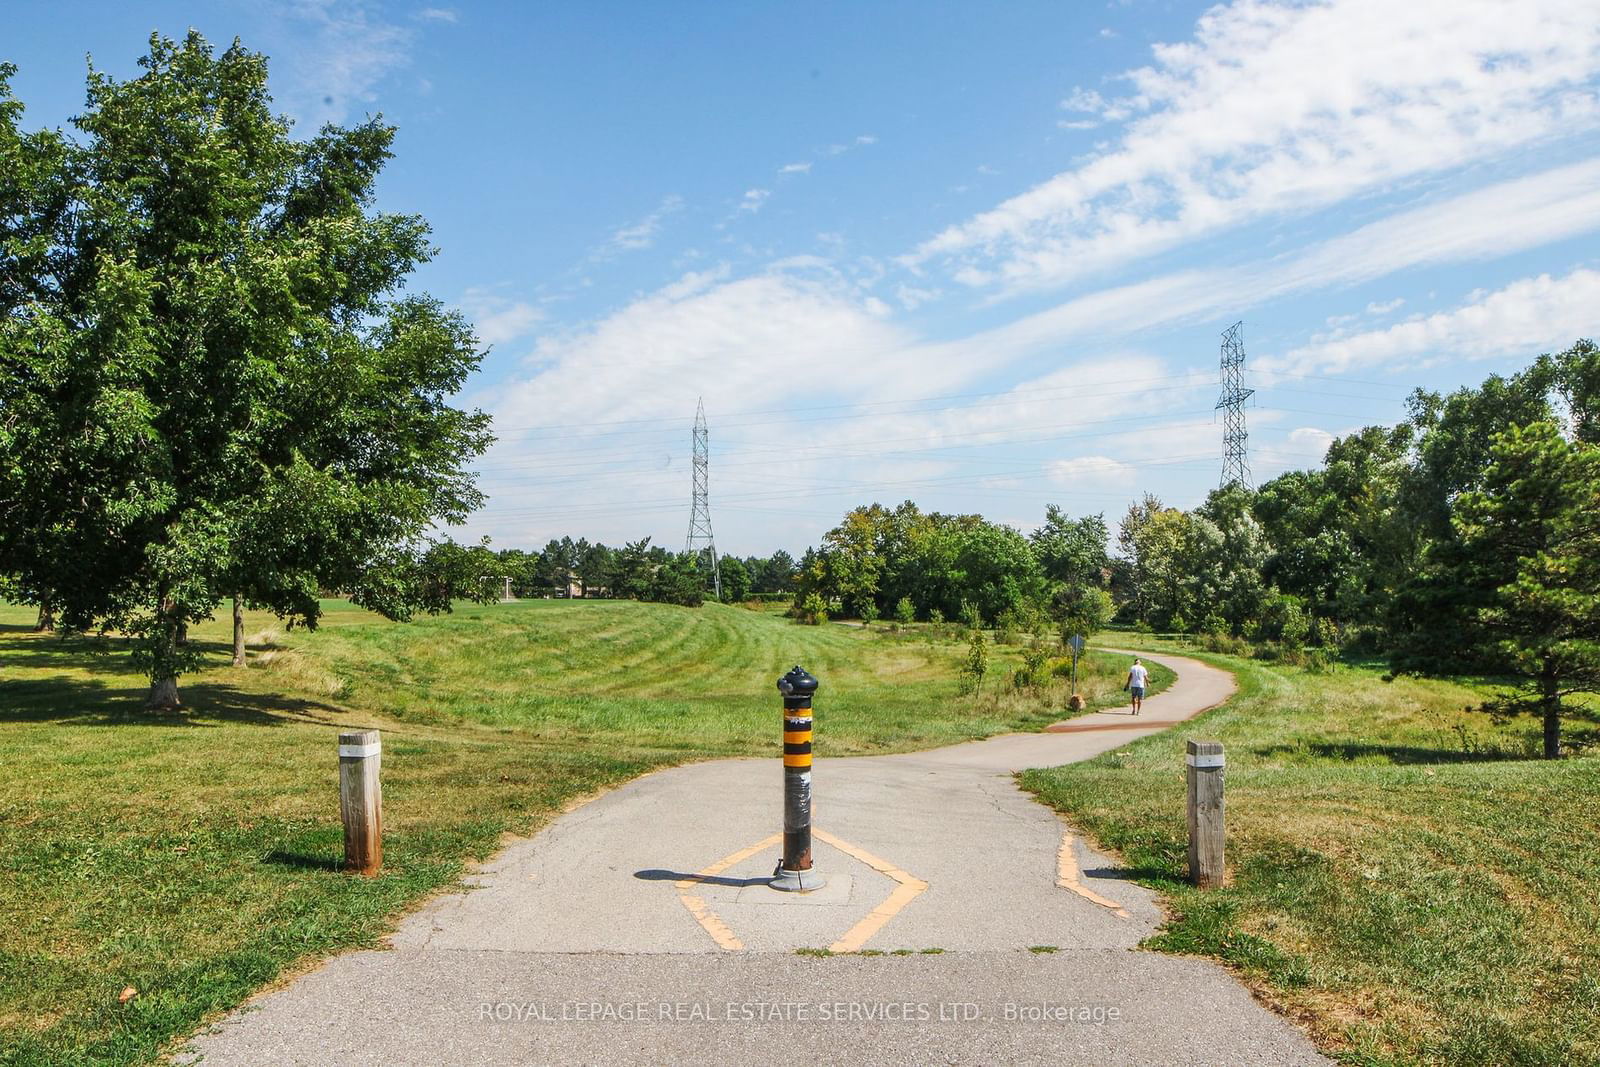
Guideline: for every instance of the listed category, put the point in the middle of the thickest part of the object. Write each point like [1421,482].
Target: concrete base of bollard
[797,881]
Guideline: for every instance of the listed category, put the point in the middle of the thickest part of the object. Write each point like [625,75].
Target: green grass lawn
[194,856]
[1403,878]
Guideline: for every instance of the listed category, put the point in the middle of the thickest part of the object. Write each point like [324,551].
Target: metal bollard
[794,873]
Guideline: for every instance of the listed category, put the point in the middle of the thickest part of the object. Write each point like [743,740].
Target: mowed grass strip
[1403,878]
[194,857]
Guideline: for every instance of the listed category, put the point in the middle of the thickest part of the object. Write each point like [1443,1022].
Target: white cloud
[1525,318]
[706,335]
[1090,470]
[1488,223]
[795,168]
[1083,100]
[866,139]
[437,14]
[342,51]
[911,297]
[753,199]
[641,234]
[496,318]
[1375,308]
[1276,108]
[1310,440]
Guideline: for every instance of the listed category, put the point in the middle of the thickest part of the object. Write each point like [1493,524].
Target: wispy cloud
[752,200]
[1212,141]
[1498,220]
[496,318]
[1090,470]
[343,51]
[1524,318]
[641,234]
[437,14]
[795,168]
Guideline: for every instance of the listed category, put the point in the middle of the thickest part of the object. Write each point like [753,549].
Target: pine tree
[1529,558]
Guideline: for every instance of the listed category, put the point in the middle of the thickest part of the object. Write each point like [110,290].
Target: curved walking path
[639,929]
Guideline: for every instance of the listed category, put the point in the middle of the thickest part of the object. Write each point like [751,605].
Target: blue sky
[974,255]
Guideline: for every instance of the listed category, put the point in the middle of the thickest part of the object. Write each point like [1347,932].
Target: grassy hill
[1404,877]
[194,856]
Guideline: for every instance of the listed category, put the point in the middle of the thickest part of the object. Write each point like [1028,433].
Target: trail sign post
[1075,642]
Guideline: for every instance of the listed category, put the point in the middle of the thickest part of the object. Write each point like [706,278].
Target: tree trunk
[47,617]
[183,635]
[164,678]
[1552,715]
[164,694]
[238,632]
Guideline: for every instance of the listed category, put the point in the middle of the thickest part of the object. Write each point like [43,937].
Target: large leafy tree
[1222,561]
[997,570]
[1072,551]
[214,382]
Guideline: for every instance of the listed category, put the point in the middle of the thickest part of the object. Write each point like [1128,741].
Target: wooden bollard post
[361,800]
[1206,767]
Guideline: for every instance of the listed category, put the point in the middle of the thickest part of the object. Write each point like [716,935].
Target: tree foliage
[945,563]
[212,379]
[1527,559]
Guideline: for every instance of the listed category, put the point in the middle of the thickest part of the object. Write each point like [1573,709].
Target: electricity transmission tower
[1235,464]
[700,540]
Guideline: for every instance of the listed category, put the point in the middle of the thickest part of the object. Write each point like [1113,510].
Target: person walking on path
[1138,678]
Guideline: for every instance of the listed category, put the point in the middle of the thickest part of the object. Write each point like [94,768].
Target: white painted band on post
[360,751]
[1204,761]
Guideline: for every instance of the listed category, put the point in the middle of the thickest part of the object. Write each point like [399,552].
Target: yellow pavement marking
[903,894]
[1067,878]
[714,926]
[703,915]
[905,891]
[728,861]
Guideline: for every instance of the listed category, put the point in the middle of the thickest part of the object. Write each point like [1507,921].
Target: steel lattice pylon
[700,540]
[1235,462]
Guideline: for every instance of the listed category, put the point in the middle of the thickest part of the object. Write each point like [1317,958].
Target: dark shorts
[1138,692]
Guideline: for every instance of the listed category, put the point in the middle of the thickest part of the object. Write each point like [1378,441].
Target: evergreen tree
[1528,556]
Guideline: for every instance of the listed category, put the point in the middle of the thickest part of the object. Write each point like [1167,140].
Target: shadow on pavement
[657,875]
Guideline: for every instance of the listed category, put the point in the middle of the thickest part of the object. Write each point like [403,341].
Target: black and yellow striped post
[794,873]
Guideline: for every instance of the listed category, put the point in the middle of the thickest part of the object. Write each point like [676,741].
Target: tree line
[904,563]
[639,571]
[1465,540]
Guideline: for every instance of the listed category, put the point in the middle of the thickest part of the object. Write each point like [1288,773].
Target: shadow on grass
[303,862]
[657,875]
[95,655]
[1395,754]
[92,702]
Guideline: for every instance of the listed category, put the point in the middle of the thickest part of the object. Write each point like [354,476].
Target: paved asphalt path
[639,929]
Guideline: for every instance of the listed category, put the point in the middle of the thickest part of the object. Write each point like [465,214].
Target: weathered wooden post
[361,800]
[1206,767]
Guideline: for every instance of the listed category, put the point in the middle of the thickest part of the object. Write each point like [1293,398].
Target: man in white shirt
[1138,678]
